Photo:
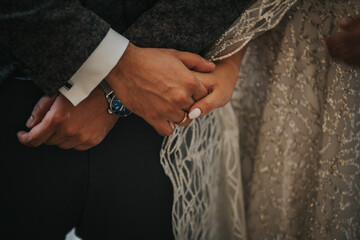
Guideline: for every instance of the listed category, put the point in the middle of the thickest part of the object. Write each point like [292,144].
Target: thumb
[39,111]
[205,105]
[195,62]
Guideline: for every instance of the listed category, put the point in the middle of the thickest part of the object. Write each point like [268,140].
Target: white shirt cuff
[95,68]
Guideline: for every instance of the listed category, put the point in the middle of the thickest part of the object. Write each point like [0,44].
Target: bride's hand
[220,84]
[346,45]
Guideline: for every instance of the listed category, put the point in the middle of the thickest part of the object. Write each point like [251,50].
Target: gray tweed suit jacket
[52,38]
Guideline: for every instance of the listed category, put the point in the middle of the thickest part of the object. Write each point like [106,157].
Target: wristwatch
[115,106]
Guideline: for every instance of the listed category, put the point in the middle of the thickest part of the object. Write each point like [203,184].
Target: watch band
[115,106]
[106,88]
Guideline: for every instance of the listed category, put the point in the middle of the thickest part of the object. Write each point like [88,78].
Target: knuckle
[83,138]
[172,51]
[189,54]
[95,141]
[180,98]
[64,147]
[196,57]
[70,131]
[163,86]
[169,109]
[58,118]
[190,84]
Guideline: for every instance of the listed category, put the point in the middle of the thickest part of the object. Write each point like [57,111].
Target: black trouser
[117,190]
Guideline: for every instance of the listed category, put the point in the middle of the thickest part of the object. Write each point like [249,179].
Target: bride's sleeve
[259,18]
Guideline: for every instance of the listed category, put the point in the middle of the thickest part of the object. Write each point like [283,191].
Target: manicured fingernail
[30,121]
[171,125]
[195,113]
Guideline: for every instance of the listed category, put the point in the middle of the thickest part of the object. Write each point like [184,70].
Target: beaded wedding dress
[203,161]
[295,119]
[299,125]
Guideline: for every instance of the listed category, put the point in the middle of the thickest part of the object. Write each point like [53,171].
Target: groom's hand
[154,83]
[157,84]
[55,121]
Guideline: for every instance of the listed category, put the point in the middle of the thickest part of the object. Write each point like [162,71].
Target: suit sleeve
[187,25]
[52,38]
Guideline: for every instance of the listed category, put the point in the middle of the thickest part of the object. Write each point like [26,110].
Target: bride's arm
[220,84]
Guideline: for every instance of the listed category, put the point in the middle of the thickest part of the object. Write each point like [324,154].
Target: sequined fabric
[262,16]
[203,160]
[299,121]
[202,163]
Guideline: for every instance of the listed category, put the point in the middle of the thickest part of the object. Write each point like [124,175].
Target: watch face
[118,108]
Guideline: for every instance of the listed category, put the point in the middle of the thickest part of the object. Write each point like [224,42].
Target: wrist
[120,73]
[115,106]
[98,94]
[123,63]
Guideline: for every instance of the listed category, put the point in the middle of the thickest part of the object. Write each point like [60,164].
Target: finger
[200,92]
[195,62]
[169,111]
[184,121]
[69,138]
[56,139]
[39,111]
[204,87]
[38,134]
[74,142]
[81,142]
[202,107]
[68,145]
[181,119]
[87,145]
[65,134]
[171,125]
[161,126]
[195,90]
